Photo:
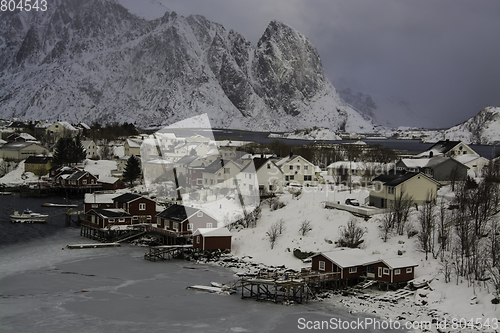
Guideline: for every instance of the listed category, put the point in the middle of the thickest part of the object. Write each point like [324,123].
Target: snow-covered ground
[446,300]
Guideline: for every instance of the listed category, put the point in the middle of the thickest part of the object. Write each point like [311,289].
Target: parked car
[352,202]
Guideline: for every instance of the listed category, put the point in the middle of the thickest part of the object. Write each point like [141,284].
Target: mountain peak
[105,64]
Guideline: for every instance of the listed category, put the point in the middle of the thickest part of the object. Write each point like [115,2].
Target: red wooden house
[103,218]
[348,263]
[394,270]
[111,183]
[184,220]
[78,179]
[141,208]
[212,239]
[98,201]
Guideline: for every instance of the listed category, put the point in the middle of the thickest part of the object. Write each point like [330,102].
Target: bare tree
[444,228]
[400,207]
[105,150]
[425,236]
[305,227]
[386,225]
[351,235]
[273,234]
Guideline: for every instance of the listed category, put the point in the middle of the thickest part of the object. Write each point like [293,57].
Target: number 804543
[23,5]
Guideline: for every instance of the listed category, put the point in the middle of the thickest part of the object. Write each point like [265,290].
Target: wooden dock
[166,252]
[92,246]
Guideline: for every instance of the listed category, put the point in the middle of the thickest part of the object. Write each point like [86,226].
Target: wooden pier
[92,246]
[166,252]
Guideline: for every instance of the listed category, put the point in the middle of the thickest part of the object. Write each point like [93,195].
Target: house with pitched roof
[141,208]
[447,148]
[60,129]
[346,263]
[219,172]
[397,184]
[106,218]
[391,270]
[297,169]
[441,168]
[90,148]
[184,220]
[212,239]
[261,173]
[78,179]
[39,165]
[19,151]
[98,201]
[132,146]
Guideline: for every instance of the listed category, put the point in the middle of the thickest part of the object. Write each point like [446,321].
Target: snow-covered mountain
[483,128]
[91,60]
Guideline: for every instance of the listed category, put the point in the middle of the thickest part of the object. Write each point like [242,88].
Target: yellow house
[395,184]
[60,129]
[132,147]
[39,165]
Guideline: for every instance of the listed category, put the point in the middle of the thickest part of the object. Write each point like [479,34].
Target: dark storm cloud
[440,56]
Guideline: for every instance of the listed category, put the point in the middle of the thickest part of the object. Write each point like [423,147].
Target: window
[287,178]
[250,187]
[199,214]
[142,206]
[250,176]
[199,181]
[397,271]
[298,167]
[198,239]
[209,225]
[220,181]
[292,177]
[111,220]
[307,177]
[306,167]
[121,219]
[380,271]
[321,265]
[211,181]
[95,205]
[227,170]
[386,271]
[136,218]
[271,187]
[390,189]
[291,167]
[269,165]
[353,270]
[84,181]
[409,270]
[190,226]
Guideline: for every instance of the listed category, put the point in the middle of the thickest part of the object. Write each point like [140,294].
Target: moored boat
[27,216]
[58,205]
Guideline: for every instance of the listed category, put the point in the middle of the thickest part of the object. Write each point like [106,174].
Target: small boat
[58,205]
[27,216]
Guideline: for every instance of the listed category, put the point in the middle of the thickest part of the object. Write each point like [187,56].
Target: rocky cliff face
[94,61]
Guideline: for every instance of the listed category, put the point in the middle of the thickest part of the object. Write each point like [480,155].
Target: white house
[474,162]
[90,148]
[261,173]
[297,169]
[219,172]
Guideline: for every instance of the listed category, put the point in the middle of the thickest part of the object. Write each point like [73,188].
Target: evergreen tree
[68,151]
[132,170]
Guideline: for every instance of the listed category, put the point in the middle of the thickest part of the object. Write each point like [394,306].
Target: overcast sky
[440,58]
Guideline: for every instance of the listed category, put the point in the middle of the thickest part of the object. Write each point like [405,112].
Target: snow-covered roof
[134,143]
[347,257]
[393,263]
[104,198]
[84,126]
[212,232]
[464,159]
[108,180]
[67,125]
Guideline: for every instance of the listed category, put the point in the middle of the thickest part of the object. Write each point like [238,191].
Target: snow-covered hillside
[483,128]
[95,61]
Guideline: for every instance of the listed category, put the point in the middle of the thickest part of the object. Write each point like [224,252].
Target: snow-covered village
[359,226]
[249,166]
